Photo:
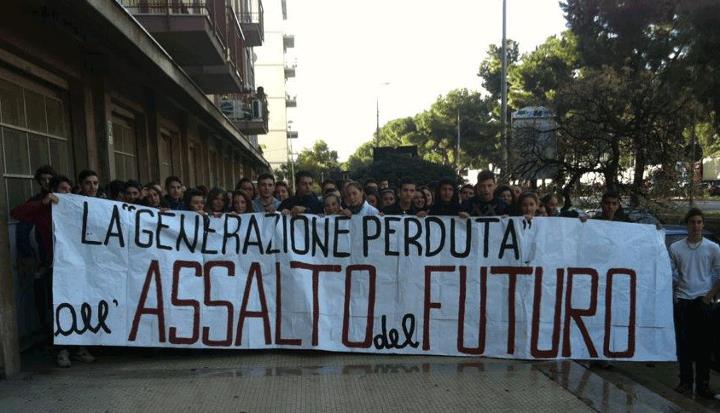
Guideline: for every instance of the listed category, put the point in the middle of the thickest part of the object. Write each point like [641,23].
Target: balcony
[291,134]
[290,70]
[288,41]
[290,101]
[253,24]
[202,36]
[248,112]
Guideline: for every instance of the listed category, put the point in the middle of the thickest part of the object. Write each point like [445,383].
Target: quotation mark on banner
[129,208]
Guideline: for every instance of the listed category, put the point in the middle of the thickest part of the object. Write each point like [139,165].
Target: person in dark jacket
[304,201]
[446,199]
[484,203]
[174,198]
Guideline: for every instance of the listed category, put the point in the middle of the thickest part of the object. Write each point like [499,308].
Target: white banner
[126,275]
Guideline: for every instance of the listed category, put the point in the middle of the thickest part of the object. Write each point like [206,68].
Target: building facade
[275,70]
[131,89]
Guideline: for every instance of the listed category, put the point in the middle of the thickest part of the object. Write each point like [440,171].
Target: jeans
[693,338]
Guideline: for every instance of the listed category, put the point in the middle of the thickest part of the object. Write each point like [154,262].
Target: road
[167,380]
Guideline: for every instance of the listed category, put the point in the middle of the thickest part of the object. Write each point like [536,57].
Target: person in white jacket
[355,203]
[696,266]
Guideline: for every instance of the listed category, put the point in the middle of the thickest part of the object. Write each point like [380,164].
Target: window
[166,155]
[124,148]
[34,131]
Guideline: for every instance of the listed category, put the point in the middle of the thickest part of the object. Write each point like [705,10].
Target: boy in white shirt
[696,267]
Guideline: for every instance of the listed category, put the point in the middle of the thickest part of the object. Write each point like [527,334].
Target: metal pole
[377,121]
[503,88]
[692,166]
[457,154]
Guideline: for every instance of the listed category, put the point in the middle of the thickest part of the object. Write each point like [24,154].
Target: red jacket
[38,214]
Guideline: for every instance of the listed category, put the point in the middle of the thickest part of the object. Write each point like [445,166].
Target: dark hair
[406,181]
[302,174]
[263,177]
[43,170]
[242,181]
[86,173]
[485,175]
[528,194]
[214,193]
[502,188]
[171,179]
[386,190]
[246,197]
[133,184]
[116,188]
[467,186]
[547,197]
[356,185]
[370,181]
[328,181]
[189,195]
[610,194]
[281,183]
[56,180]
[440,184]
[694,212]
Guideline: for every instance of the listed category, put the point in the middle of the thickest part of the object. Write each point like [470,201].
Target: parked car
[714,189]
[677,232]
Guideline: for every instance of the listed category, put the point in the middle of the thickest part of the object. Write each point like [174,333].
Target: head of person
[331,204]
[485,187]
[89,182]
[419,200]
[529,203]
[466,192]
[241,202]
[116,190]
[610,204]
[281,191]
[505,193]
[541,211]
[383,184]
[174,187]
[266,186]
[246,185]
[152,195]
[550,202]
[354,195]
[216,200]
[133,189]
[194,200]
[328,185]
[43,175]
[373,199]
[445,192]
[695,221]
[388,197]
[303,183]
[407,191]
[371,185]
[60,184]
[516,190]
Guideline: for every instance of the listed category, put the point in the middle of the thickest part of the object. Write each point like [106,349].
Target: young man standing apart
[696,265]
[265,202]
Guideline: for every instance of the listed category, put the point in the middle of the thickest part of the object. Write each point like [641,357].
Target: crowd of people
[694,288]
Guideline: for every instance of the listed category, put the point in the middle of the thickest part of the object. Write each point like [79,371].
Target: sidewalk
[173,380]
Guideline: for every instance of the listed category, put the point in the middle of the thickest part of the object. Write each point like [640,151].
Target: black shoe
[684,388]
[705,393]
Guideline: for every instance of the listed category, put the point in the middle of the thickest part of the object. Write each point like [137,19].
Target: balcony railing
[252,22]
[247,111]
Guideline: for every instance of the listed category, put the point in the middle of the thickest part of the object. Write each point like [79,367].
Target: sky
[403,54]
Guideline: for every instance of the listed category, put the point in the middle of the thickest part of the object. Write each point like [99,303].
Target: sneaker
[63,358]
[684,388]
[705,392]
[83,355]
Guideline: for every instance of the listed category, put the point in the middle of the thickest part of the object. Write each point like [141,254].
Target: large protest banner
[126,275]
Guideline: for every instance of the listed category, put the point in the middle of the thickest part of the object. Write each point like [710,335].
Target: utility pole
[692,166]
[457,150]
[377,121]
[503,89]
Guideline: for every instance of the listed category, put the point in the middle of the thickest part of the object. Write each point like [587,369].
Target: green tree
[320,161]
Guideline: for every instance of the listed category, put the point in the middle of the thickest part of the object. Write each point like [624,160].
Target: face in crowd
[428,197]
[486,189]
[174,190]
[64,187]
[281,192]
[388,198]
[695,225]
[331,205]
[419,200]
[372,199]
[529,206]
[610,206]
[353,196]
[249,188]
[507,196]
[89,186]
[304,186]
[407,193]
[217,204]
[44,181]
[383,184]
[446,193]
[197,203]
[152,197]
[329,187]
[551,205]
[266,188]
[132,194]
[239,204]
[466,193]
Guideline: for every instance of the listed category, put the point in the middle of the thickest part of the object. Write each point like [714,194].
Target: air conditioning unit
[257,109]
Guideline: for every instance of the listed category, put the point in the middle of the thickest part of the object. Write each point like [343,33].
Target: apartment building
[129,88]
[275,69]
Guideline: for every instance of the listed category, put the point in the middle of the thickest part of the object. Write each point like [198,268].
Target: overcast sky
[423,49]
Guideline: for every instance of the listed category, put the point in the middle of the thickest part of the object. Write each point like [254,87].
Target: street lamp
[503,89]
[377,114]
